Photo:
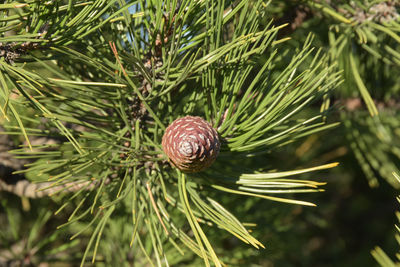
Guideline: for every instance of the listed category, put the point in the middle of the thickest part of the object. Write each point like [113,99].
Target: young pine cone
[191,144]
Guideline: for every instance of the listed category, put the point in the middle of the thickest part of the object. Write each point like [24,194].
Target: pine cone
[191,144]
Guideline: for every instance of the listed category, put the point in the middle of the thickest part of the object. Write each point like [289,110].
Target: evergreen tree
[266,93]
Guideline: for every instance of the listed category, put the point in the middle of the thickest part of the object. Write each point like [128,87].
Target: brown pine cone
[191,144]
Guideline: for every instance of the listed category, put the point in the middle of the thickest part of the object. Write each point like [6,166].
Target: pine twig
[25,188]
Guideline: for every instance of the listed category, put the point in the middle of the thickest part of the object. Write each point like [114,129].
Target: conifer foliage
[89,88]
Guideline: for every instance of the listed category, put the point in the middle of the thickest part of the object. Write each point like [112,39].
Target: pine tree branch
[294,17]
[25,188]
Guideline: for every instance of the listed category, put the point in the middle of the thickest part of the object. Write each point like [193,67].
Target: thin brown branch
[25,188]
[295,17]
